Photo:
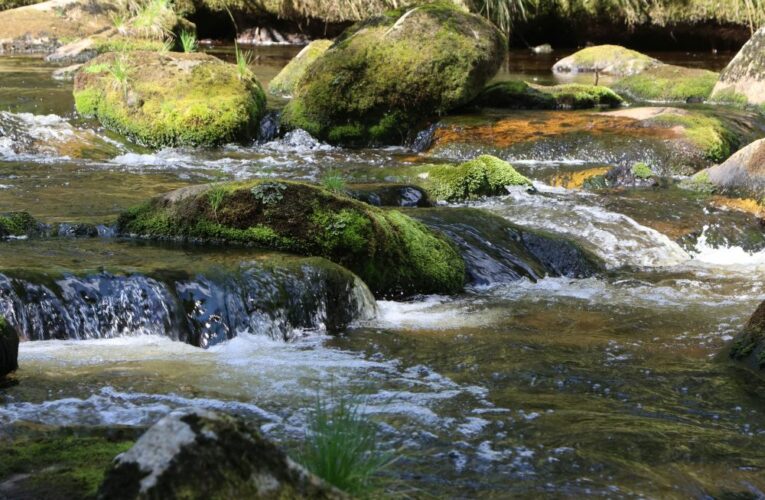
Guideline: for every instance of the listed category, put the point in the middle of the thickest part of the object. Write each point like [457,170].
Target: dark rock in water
[9,348]
[638,175]
[277,298]
[748,348]
[385,76]
[497,251]
[268,129]
[390,195]
[198,454]
[424,139]
[77,230]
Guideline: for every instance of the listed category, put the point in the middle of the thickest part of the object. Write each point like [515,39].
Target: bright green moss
[410,65]
[641,171]
[384,248]
[700,183]
[730,97]
[170,99]
[128,44]
[17,224]
[667,83]
[60,466]
[284,83]
[608,59]
[708,133]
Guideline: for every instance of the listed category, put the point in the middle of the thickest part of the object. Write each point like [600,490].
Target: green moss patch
[708,133]
[606,59]
[392,253]
[384,76]
[60,464]
[667,83]
[18,224]
[641,171]
[522,95]
[170,99]
[284,83]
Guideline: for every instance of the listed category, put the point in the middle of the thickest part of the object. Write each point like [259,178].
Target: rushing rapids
[578,361]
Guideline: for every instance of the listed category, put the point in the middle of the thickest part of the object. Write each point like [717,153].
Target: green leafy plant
[333,181]
[189,41]
[342,445]
[243,61]
[216,196]
[269,193]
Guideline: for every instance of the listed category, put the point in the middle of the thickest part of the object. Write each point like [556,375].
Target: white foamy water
[616,238]
[727,256]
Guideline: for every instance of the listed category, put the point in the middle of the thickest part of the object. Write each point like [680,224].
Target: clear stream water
[603,386]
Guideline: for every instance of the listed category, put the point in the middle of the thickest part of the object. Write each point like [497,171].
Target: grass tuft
[189,41]
[333,181]
[342,445]
[243,62]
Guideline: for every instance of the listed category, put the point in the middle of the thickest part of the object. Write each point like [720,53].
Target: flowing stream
[534,381]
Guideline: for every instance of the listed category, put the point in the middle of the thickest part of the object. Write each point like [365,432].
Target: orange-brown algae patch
[575,180]
[746,205]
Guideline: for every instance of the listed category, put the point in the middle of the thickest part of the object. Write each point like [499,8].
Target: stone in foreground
[170,99]
[199,454]
[9,348]
[743,79]
[387,75]
[743,174]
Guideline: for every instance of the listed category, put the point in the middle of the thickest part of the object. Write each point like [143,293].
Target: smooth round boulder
[611,60]
[393,254]
[9,348]
[743,174]
[200,454]
[743,79]
[284,83]
[160,99]
[386,76]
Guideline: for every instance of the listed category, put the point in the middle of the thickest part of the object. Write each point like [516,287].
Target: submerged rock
[43,27]
[392,253]
[497,251]
[545,48]
[748,348]
[284,83]
[170,99]
[199,454]
[278,297]
[522,95]
[606,60]
[390,195]
[9,348]
[383,77]
[666,83]
[743,174]
[743,79]
[637,175]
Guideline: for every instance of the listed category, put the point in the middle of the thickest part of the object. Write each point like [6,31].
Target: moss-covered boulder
[20,225]
[170,99]
[392,253]
[43,27]
[284,83]
[668,83]
[743,79]
[611,60]
[9,348]
[384,76]
[748,348]
[743,174]
[199,454]
[482,176]
[522,95]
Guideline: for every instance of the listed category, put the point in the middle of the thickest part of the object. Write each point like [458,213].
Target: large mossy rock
[667,83]
[199,454]
[284,83]
[170,99]
[748,348]
[383,77]
[743,79]
[522,95]
[9,348]
[43,27]
[392,253]
[606,60]
[743,174]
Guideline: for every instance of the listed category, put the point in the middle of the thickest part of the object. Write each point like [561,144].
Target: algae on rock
[523,95]
[392,253]
[606,60]
[385,76]
[170,99]
[667,83]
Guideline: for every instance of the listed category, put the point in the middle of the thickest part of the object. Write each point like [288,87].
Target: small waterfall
[279,301]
